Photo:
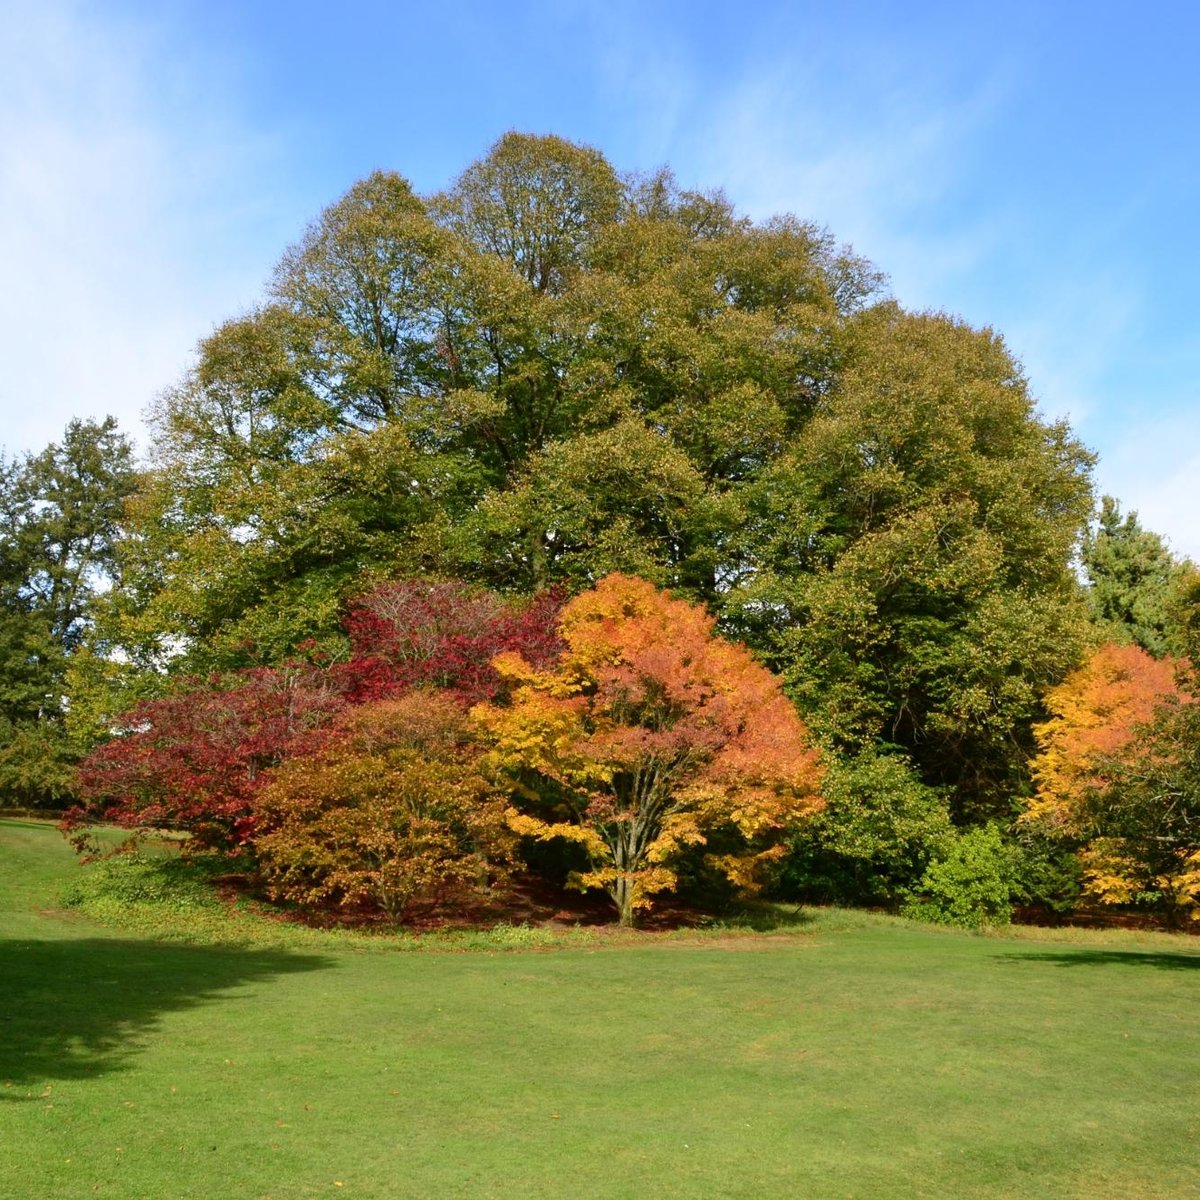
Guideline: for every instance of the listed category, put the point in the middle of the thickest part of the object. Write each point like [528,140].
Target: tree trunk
[622,894]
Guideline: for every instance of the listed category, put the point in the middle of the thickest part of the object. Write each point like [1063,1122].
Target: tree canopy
[550,372]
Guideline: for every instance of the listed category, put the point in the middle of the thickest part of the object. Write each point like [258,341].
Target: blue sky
[1032,167]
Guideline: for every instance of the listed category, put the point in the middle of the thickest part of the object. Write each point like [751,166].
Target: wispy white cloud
[873,174]
[130,204]
[1067,332]
[641,72]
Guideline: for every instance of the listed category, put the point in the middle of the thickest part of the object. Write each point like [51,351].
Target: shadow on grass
[1104,958]
[767,918]
[78,1008]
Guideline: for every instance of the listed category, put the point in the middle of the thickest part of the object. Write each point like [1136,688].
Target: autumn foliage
[649,734]
[195,760]
[441,633]
[620,722]
[1148,817]
[1095,713]
[1117,773]
[392,812]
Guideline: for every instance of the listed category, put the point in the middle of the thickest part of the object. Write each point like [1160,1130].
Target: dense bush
[968,884]
[392,813]
[874,838]
[195,759]
[1047,872]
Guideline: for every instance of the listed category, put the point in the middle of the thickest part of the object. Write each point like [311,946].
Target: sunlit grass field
[847,1055]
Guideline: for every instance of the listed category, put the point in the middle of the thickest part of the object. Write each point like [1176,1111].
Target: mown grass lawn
[859,1057]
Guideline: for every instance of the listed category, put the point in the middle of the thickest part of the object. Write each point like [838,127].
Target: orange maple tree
[1095,713]
[649,735]
[1105,777]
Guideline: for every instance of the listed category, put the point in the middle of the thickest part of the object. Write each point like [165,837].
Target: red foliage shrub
[195,759]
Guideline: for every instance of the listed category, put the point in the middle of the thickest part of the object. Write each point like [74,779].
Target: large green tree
[60,516]
[910,551]
[548,373]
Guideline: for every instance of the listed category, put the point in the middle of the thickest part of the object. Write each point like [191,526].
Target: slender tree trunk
[642,803]
[622,888]
[622,894]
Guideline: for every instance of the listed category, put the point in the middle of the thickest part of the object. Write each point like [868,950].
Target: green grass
[854,1056]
